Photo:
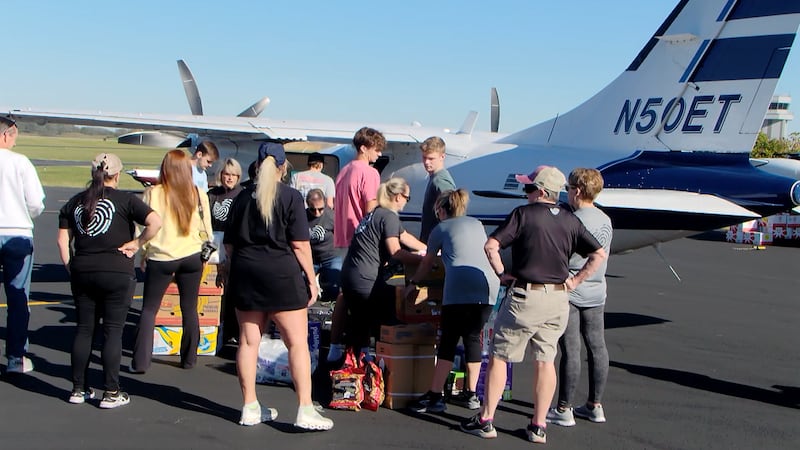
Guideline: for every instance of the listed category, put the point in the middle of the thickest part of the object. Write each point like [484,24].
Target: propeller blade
[495,107]
[190,87]
[255,109]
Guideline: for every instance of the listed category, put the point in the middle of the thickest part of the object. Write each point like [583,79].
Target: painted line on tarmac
[55,302]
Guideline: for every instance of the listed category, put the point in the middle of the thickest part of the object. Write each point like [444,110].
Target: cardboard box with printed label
[167,340]
[208,309]
[209,276]
[422,305]
[408,370]
[417,333]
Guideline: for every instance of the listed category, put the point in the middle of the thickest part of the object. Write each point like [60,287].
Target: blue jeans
[16,262]
[329,271]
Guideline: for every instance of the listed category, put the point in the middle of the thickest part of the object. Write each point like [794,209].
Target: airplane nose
[794,193]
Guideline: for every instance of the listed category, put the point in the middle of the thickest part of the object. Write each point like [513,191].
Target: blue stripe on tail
[746,9]
[744,58]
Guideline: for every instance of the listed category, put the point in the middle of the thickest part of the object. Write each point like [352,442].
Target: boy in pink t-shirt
[356,195]
[357,186]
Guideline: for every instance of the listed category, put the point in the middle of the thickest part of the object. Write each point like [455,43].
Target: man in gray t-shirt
[439,180]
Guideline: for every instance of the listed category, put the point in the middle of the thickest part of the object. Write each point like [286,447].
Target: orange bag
[348,384]
[374,392]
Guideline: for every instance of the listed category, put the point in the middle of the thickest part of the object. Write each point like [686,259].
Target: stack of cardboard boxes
[168,330]
[407,355]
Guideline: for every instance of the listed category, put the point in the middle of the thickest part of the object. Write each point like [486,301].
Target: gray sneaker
[595,415]
[562,418]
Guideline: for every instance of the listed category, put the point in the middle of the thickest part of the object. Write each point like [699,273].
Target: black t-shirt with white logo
[321,230]
[542,237]
[220,200]
[113,224]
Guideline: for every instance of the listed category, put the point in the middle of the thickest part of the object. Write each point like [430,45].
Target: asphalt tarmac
[711,361]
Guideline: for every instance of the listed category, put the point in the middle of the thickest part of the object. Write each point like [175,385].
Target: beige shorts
[537,316]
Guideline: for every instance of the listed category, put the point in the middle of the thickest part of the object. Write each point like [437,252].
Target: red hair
[179,190]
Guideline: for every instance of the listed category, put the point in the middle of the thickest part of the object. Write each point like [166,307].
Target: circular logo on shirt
[603,235]
[101,220]
[221,209]
[317,233]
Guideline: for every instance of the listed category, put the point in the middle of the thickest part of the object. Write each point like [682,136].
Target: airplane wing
[230,128]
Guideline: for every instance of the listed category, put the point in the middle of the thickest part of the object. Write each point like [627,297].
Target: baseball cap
[545,177]
[108,162]
[315,157]
[273,149]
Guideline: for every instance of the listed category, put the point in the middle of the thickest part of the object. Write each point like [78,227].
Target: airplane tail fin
[703,82]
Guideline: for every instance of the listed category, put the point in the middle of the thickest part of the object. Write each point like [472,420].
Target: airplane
[671,135]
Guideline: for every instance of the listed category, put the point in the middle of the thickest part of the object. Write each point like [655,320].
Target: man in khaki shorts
[542,236]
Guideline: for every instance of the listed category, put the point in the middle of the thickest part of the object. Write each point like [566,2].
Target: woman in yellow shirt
[173,252]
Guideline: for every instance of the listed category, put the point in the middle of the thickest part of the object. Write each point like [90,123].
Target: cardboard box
[172,288]
[209,278]
[408,371]
[418,333]
[434,278]
[209,308]
[167,340]
[422,305]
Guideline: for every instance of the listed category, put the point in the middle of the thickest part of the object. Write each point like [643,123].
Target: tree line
[59,129]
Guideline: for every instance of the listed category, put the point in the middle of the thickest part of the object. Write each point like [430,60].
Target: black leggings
[187,272]
[465,322]
[97,295]
[366,312]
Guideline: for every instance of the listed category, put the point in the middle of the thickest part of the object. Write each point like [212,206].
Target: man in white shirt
[21,200]
[313,178]
[204,156]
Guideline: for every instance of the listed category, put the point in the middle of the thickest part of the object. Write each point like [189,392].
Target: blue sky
[383,62]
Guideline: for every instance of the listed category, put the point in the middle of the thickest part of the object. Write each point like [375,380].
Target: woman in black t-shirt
[268,248]
[376,240]
[220,199]
[100,223]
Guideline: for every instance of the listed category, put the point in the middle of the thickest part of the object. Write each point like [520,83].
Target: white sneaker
[310,419]
[19,365]
[78,397]
[255,416]
[564,419]
[113,400]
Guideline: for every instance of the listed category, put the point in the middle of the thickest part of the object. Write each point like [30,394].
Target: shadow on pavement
[787,396]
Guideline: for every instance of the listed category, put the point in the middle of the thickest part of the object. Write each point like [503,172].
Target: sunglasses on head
[529,188]
[9,122]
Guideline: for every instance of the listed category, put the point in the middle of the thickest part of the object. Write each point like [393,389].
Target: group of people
[276,238]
